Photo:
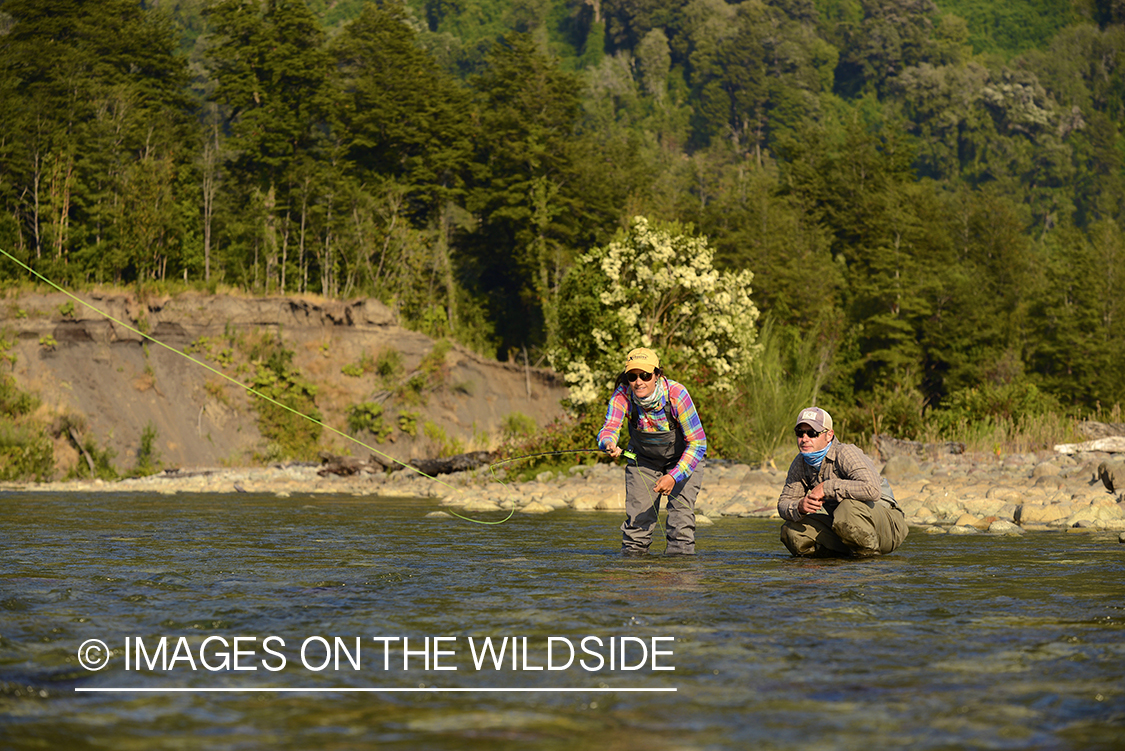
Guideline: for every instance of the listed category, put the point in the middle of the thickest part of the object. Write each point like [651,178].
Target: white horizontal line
[371,690]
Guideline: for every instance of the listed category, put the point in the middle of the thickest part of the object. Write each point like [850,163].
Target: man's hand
[614,451]
[813,500]
[664,485]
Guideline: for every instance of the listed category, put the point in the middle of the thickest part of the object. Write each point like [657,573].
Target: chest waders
[846,527]
[655,454]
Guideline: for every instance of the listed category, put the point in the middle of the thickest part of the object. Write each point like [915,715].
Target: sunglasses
[808,432]
[643,376]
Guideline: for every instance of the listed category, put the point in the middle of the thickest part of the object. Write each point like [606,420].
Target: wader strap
[635,417]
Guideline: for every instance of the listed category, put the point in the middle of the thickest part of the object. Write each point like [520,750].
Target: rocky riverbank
[955,495]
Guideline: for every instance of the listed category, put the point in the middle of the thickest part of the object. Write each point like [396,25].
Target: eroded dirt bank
[80,361]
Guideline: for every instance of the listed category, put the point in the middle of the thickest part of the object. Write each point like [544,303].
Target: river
[953,642]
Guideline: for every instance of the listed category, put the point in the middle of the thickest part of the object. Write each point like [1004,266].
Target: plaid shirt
[847,473]
[656,422]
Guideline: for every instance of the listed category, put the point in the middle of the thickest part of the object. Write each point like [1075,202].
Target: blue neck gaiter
[816,458]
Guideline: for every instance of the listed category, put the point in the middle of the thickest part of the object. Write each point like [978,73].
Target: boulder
[758,479]
[456,498]
[1112,475]
[1093,494]
[1042,514]
[910,507]
[967,520]
[946,507]
[615,502]
[922,513]
[888,447]
[585,503]
[1001,527]
[983,507]
[711,495]
[1045,469]
[480,505]
[713,479]
[1082,518]
[1005,494]
[900,467]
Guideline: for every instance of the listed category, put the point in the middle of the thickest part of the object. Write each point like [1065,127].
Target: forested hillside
[929,196]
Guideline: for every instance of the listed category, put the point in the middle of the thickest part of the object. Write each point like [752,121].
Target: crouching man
[834,501]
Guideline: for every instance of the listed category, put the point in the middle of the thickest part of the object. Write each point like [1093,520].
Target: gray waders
[656,454]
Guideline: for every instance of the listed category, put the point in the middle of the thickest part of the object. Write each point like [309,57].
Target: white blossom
[659,289]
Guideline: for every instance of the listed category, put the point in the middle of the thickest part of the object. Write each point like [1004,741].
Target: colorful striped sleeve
[614,418]
[696,440]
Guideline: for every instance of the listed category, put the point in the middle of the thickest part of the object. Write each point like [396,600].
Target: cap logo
[809,414]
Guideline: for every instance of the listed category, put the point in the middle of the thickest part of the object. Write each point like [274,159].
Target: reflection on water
[953,642]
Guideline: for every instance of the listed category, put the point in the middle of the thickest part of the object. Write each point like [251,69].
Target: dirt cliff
[86,361]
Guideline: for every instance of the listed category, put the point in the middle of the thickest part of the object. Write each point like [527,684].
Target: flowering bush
[653,286]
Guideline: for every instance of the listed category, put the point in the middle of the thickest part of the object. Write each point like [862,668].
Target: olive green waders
[853,528]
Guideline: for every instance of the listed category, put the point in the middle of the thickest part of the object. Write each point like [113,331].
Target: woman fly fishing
[666,446]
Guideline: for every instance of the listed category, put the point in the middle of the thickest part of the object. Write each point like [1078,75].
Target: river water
[954,642]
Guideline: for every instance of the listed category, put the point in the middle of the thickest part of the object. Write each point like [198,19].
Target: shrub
[754,422]
[148,458]
[1017,401]
[653,286]
[284,423]
[563,443]
[432,374]
[517,426]
[408,423]
[1014,416]
[368,416]
[440,442]
[25,452]
[25,445]
[434,367]
[388,364]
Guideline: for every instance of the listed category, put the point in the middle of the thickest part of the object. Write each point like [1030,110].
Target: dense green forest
[929,195]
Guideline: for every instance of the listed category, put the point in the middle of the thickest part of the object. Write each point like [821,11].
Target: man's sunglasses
[808,432]
[633,376]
